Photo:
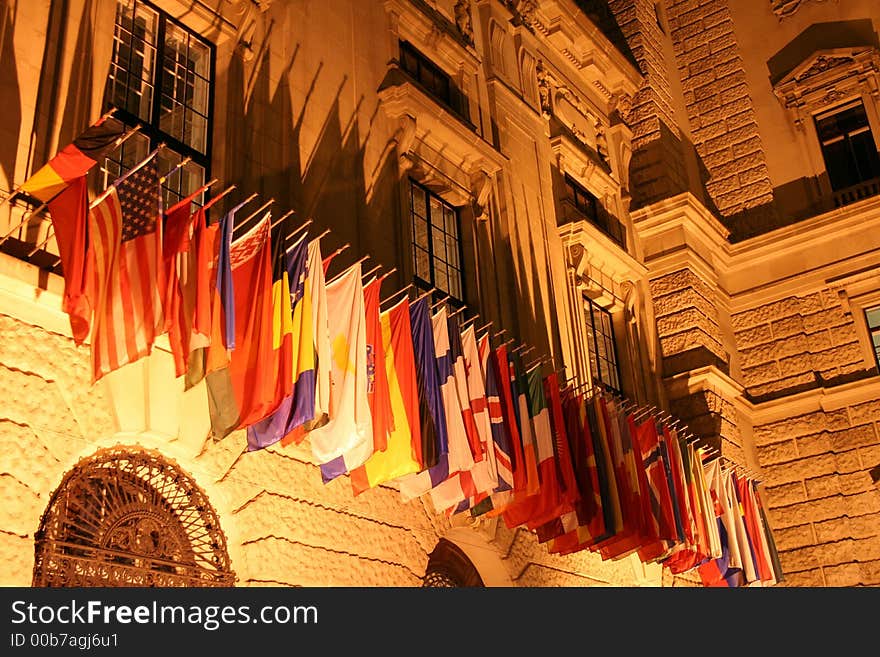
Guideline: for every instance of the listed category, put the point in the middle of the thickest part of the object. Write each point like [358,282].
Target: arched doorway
[129,517]
[449,566]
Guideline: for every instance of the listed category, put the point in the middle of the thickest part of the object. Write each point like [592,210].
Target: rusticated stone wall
[724,128]
[823,505]
[283,525]
[795,344]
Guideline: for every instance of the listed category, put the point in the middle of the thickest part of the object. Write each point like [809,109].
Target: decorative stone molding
[786,8]
[827,77]
[463,20]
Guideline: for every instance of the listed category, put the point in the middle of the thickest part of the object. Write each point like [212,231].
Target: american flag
[126,241]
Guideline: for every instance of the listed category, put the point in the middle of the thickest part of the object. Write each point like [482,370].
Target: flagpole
[395,294]
[162,179]
[285,216]
[340,274]
[372,271]
[40,208]
[387,273]
[218,197]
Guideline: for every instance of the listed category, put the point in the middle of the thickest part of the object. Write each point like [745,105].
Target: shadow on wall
[11,127]
[264,156]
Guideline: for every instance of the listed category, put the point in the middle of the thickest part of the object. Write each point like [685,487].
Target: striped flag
[74,160]
[298,406]
[127,239]
[432,414]
[399,457]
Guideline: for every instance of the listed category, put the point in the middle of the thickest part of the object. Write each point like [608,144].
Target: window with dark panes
[436,243]
[601,346]
[848,145]
[872,316]
[160,77]
[586,205]
[433,79]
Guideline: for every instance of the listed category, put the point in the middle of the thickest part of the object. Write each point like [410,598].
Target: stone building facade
[663,173]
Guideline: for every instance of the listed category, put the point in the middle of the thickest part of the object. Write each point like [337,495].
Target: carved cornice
[786,8]
[827,77]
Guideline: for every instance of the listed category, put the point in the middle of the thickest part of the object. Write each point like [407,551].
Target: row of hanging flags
[404,396]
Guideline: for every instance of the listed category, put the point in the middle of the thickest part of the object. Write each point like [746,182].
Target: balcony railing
[855,193]
[605,222]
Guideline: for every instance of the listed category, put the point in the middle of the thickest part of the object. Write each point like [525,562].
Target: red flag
[179,284]
[69,212]
[378,393]
[131,275]
[74,160]
[253,363]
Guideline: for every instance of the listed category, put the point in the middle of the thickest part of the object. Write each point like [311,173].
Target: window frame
[432,257]
[873,331]
[454,98]
[591,309]
[151,129]
[838,109]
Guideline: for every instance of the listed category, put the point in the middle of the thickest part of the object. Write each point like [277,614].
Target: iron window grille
[436,243]
[601,346]
[161,77]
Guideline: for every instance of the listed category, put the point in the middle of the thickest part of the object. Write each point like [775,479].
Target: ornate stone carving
[785,8]
[463,20]
[543,88]
[622,103]
[523,11]
[827,77]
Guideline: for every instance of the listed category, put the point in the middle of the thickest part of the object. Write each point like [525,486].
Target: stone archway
[129,517]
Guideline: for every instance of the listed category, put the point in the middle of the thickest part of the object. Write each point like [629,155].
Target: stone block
[846,439]
[867,549]
[824,319]
[849,461]
[812,511]
[818,443]
[865,526]
[867,412]
[807,578]
[823,486]
[796,365]
[754,356]
[786,494]
[837,356]
[870,573]
[791,325]
[864,503]
[848,574]
[792,538]
[781,452]
[835,529]
[753,336]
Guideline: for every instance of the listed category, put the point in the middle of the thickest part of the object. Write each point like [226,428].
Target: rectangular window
[848,145]
[872,317]
[586,205]
[601,346]
[436,243]
[161,77]
[433,80]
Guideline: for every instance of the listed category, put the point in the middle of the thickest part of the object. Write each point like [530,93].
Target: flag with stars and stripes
[127,247]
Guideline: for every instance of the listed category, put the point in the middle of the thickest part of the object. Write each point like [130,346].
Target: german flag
[74,160]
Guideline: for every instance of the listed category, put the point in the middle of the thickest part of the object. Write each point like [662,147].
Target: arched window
[127,517]
[449,567]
